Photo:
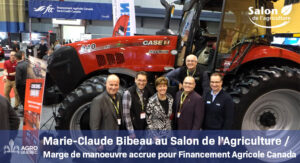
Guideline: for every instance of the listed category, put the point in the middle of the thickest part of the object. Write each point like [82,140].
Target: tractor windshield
[236,28]
[248,21]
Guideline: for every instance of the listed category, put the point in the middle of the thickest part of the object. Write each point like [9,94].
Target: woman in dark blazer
[159,110]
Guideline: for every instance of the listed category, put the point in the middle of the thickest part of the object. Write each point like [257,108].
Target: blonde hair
[161,80]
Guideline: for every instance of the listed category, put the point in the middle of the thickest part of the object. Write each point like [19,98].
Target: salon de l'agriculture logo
[270,18]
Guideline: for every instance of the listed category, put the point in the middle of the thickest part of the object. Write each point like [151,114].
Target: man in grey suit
[105,113]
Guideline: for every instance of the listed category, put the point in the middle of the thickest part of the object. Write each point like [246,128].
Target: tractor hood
[72,64]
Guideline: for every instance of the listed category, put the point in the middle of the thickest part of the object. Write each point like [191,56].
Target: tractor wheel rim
[275,110]
[75,120]
[75,127]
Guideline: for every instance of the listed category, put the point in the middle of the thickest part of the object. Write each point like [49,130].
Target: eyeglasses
[144,81]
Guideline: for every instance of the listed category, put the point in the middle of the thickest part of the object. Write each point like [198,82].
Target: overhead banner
[69,10]
[125,7]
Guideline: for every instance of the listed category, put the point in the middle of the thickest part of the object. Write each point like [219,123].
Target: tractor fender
[123,71]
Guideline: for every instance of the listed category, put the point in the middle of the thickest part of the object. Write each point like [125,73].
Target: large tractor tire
[74,115]
[268,99]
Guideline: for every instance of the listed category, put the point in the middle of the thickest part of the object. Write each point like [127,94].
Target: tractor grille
[101,60]
[111,59]
[118,58]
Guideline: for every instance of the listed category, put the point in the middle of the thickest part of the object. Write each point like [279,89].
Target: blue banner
[179,146]
[70,10]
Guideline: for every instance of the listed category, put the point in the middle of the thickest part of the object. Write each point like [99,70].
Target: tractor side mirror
[169,11]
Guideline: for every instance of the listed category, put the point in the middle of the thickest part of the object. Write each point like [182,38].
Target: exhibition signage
[35,82]
[121,26]
[125,7]
[69,10]
[180,146]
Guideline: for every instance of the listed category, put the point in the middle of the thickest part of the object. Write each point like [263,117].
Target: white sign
[67,21]
[125,7]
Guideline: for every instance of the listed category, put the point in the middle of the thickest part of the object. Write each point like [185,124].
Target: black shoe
[16,108]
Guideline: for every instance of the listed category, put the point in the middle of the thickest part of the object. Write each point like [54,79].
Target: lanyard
[182,98]
[141,99]
[187,73]
[116,106]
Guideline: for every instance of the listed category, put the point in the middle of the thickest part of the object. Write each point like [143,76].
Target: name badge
[143,115]
[119,121]
[208,102]
[218,104]
[178,114]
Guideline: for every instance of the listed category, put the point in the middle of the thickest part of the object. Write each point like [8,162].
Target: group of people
[15,72]
[194,107]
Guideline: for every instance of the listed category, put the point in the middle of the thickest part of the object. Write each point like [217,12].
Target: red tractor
[1,53]
[263,80]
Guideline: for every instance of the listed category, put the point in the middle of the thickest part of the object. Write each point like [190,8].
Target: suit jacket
[9,121]
[192,112]
[21,74]
[103,115]
[8,116]
[219,113]
[158,122]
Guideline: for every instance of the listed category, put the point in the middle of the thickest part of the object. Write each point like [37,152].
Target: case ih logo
[156,42]
[267,15]
[48,9]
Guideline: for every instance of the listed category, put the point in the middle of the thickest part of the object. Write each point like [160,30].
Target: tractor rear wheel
[268,99]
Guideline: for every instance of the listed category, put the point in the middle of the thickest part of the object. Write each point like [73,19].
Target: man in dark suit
[15,46]
[193,69]
[105,113]
[21,75]
[219,107]
[42,49]
[189,107]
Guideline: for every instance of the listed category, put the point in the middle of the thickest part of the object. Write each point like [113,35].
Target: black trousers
[21,92]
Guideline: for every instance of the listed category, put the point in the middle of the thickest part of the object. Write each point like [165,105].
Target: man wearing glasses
[134,102]
[189,107]
[219,107]
[193,69]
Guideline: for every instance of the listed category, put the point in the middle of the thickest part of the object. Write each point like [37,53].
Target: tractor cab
[255,71]
[243,26]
